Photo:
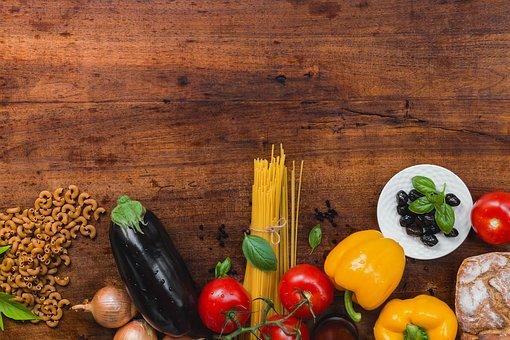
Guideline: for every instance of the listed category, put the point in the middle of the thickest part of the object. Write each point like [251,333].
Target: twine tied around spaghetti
[273,230]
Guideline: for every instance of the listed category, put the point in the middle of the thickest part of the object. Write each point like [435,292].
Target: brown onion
[136,330]
[111,307]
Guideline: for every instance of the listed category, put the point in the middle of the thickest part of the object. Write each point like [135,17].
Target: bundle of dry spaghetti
[39,238]
[274,216]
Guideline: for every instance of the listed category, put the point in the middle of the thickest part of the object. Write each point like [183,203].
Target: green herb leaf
[431,197]
[14,310]
[259,252]
[445,218]
[413,332]
[423,184]
[4,249]
[222,268]
[421,205]
[315,237]
[439,197]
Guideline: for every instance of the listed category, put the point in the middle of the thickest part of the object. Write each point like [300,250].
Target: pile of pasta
[39,238]
[275,217]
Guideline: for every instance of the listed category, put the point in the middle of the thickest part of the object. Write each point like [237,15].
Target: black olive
[421,219]
[402,210]
[402,197]
[431,229]
[414,230]
[406,220]
[452,200]
[431,215]
[453,233]
[414,195]
[429,240]
[428,219]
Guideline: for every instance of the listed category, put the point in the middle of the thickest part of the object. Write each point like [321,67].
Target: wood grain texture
[170,101]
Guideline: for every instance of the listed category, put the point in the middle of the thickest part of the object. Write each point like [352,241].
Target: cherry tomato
[308,280]
[491,217]
[219,299]
[288,331]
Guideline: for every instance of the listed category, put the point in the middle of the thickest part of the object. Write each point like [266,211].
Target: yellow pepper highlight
[431,314]
[367,264]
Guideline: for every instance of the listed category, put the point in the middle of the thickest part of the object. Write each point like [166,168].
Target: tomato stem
[222,268]
[306,296]
[265,322]
[349,308]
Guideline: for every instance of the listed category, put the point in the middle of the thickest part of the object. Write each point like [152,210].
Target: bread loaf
[482,299]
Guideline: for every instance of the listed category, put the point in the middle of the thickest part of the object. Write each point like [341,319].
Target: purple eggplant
[153,271]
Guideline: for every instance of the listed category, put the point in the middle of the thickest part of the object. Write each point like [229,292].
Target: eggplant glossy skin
[155,276]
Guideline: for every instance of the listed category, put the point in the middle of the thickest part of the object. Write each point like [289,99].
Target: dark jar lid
[334,327]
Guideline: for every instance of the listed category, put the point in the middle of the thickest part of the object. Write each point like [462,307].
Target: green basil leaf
[431,197]
[435,198]
[14,310]
[4,249]
[421,206]
[315,237]
[222,268]
[259,252]
[440,198]
[423,184]
[445,218]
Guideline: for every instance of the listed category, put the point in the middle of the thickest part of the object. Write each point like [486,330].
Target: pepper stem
[413,332]
[349,308]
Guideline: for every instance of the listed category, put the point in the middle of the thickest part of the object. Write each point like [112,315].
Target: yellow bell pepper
[368,265]
[412,319]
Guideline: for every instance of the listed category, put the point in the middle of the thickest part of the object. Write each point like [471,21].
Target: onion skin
[111,307]
[136,330]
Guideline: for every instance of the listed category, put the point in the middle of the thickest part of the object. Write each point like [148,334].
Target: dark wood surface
[170,102]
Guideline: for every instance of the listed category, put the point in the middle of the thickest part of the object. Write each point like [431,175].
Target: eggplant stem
[128,214]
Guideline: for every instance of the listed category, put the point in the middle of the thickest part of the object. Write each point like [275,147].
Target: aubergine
[152,269]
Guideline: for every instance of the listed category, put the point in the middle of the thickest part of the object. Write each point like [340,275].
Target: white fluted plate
[388,218]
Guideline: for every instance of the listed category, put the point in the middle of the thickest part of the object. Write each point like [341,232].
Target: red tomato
[288,331]
[219,298]
[310,281]
[491,217]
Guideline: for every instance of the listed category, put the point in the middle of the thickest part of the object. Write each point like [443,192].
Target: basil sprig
[259,253]
[5,249]
[445,218]
[424,184]
[13,310]
[10,308]
[433,199]
[315,237]
[421,205]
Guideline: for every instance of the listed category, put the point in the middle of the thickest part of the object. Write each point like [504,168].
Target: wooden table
[170,101]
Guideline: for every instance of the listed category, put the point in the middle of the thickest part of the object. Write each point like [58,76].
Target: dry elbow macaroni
[39,238]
